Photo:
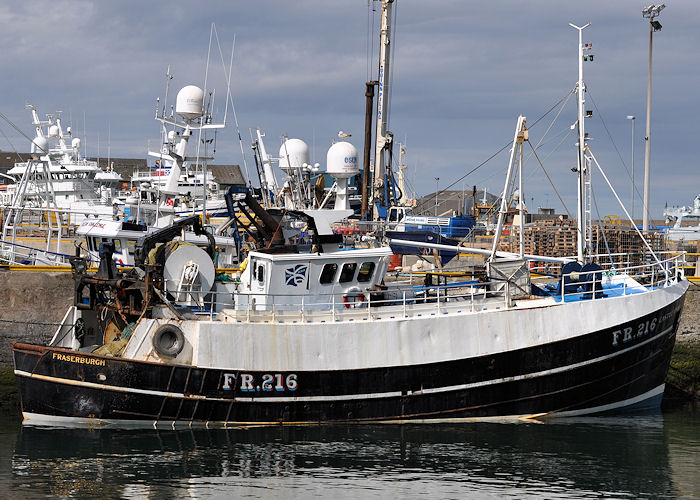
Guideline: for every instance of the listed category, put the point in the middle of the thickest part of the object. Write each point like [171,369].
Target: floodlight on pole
[650,12]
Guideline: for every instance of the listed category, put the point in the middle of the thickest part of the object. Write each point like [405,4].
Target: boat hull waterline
[617,368]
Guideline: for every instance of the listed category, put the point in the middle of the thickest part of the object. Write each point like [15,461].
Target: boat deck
[433,302]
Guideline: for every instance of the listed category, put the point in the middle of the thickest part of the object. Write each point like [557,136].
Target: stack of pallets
[558,239]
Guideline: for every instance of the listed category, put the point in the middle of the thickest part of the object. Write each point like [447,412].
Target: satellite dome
[75,143]
[190,102]
[294,153]
[40,145]
[342,160]
[53,131]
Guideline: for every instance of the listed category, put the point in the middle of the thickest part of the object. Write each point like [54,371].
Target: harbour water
[654,456]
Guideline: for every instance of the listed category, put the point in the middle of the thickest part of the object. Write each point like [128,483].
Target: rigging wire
[212,33]
[556,148]
[370,38]
[14,150]
[2,115]
[392,48]
[550,181]
[602,231]
[629,174]
[229,97]
[634,226]
[505,146]
[573,91]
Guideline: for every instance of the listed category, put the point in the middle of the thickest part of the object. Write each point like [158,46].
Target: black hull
[592,373]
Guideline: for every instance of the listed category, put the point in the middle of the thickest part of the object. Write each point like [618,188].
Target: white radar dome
[53,131]
[294,153]
[342,160]
[190,102]
[40,145]
[75,143]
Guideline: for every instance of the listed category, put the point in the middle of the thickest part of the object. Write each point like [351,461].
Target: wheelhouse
[321,281]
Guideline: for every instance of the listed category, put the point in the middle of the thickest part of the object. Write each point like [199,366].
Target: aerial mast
[381,138]
[582,171]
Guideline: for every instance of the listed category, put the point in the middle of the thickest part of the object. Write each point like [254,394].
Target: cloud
[462,73]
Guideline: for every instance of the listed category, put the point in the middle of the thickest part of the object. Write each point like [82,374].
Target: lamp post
[650,12]
[437,181]
[632,117]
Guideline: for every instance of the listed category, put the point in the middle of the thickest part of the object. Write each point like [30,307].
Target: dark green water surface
[614,457]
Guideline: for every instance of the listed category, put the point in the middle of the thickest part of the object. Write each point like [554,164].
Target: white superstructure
[683,228]
[77,185]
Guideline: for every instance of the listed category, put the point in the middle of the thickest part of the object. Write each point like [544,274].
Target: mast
[270,181]
[369,101]
[381,138]
[582,173]
[403,201]
[521,135]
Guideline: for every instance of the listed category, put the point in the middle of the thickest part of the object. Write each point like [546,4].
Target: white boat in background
[179,186]
[687,222]
[123,237]
[56,189]
[58,171]
[169,193]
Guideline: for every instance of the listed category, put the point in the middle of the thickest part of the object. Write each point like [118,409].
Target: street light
[437,181]
[631,117]
[650,12]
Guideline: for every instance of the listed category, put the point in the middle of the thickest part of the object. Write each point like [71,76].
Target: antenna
[582,171]
[109,143]
[168,77]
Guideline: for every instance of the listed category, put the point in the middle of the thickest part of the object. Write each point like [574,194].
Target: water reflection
[613,457]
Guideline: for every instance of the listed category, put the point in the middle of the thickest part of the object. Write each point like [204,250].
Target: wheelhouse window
[328,273]
[347,273]
[366,272]
[261,274]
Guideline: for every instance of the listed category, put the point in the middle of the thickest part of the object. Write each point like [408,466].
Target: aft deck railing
[406,300]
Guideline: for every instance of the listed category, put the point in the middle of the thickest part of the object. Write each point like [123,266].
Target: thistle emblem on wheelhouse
[295,275]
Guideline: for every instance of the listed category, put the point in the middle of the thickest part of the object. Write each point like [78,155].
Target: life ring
[353,298]
[168,341]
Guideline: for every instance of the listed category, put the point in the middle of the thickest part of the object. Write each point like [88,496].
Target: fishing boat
[310,332]
[319,337]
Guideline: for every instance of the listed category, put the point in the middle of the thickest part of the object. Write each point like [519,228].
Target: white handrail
[475,296]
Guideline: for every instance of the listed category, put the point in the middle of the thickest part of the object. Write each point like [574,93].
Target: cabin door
[261,277]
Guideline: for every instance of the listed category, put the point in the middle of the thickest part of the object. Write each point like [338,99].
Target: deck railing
[406,300]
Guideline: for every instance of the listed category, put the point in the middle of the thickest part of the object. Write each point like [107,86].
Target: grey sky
[462,73]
